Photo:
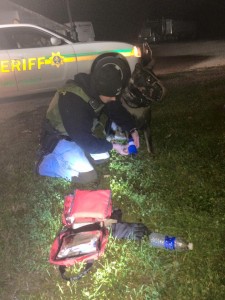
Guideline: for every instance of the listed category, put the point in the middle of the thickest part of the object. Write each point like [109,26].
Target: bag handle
[62,270]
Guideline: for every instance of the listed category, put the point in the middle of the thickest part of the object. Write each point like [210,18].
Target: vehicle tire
[120,64]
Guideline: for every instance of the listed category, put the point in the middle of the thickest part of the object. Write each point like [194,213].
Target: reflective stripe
[99,156]
[56,59]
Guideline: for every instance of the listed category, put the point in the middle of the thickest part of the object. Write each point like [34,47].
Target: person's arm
[123,118]
[77,117]
[135,136]
[120,115]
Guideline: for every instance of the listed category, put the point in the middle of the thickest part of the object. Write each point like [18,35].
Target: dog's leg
[147,131]
[148,140]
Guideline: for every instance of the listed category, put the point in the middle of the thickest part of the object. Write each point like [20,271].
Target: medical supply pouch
[87,207]
[85,234]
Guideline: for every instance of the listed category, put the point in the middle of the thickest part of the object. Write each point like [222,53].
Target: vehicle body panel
[40,60]
[7,79]
[42,68]
[91,51]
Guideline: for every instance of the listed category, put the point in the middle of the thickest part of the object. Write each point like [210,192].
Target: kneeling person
[68,145]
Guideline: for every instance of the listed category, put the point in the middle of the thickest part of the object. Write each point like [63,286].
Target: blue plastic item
[132,150]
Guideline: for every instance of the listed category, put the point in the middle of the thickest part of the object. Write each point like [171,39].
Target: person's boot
[86,177]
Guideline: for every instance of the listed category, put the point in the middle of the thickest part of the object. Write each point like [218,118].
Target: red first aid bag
[85,234]
[86,206]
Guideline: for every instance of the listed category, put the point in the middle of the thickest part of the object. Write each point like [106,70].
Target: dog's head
[143,88]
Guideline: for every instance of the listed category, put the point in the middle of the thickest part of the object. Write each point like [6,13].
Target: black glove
[131,231]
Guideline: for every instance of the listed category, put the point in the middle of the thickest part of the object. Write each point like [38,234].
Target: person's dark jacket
[78,116]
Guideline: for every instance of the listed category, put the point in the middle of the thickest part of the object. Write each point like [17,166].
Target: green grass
[179,191]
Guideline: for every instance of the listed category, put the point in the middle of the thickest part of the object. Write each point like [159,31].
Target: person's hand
[121,149]
[135,137]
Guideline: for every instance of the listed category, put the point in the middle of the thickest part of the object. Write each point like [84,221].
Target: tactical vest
[53,114]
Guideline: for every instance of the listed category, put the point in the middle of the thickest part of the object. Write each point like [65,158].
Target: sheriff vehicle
[34,59]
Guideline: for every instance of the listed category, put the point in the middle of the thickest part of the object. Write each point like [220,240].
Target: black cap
[107,80]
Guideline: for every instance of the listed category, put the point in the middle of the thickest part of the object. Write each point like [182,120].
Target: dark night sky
[122,19]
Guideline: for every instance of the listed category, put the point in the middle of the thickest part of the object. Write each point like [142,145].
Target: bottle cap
[190,246]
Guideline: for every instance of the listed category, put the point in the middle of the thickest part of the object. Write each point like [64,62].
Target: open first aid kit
[86,220]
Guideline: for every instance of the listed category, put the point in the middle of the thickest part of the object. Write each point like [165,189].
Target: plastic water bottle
[159,240]
[132,150]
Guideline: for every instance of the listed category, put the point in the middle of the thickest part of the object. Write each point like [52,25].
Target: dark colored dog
[143,89]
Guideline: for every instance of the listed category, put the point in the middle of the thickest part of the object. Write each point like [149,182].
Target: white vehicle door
[7,78]
[38,64]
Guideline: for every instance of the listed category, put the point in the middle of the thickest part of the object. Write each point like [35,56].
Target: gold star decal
[56,59]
